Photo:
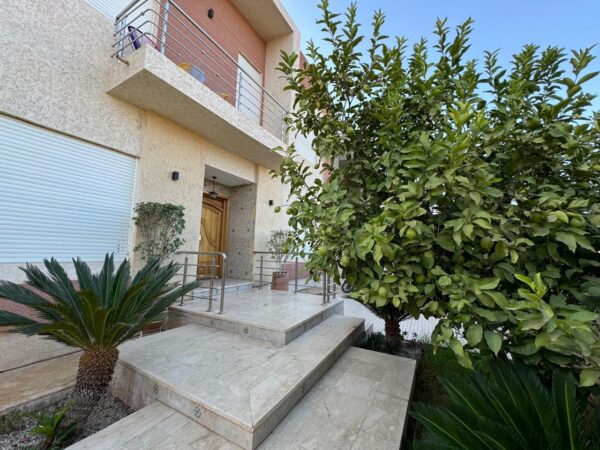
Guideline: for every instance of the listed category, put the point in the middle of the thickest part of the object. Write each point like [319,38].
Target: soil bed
[15,428]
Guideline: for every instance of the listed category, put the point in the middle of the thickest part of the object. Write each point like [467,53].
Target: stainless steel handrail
[266,268]
[155,20]
[211,279]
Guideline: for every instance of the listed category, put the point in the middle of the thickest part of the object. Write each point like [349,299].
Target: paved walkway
[19,350]
[37,385]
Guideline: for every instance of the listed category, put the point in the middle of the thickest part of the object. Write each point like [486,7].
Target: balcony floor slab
[153,82]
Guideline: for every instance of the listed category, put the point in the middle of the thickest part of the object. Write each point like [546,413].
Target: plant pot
[280,281]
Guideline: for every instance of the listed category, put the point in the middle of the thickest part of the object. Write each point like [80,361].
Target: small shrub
[160,226]
[277,244]
[49,426]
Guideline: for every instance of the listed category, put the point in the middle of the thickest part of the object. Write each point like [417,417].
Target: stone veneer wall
[240,238]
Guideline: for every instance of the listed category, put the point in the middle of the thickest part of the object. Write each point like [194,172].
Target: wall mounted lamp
[175,175]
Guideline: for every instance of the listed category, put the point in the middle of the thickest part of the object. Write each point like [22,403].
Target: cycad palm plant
[510,410]
[392,316]
[104,311]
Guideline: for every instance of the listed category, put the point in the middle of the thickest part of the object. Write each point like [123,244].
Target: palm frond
[564,388]
[108,308]
[508,409]
[84,275]
[10,319]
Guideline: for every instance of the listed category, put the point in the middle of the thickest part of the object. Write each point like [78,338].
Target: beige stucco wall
[266,217]
[54,66]
[167,148]
[55,75]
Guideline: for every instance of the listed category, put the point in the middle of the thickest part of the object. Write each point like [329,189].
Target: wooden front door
[213,234]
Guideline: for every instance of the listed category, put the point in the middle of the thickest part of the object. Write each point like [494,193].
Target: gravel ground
[109,410]
[20,437]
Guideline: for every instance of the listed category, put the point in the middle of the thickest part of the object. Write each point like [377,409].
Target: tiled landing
[360,404]
[239,388]
[231,285]
[273,316]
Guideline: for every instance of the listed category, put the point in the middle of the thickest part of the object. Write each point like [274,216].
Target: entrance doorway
[213,232]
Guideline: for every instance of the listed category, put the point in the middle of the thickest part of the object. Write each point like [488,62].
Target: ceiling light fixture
[213,194]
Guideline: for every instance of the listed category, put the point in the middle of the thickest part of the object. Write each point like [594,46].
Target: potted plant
[277,246]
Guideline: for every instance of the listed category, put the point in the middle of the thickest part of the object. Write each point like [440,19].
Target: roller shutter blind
[110,8]
[61,197]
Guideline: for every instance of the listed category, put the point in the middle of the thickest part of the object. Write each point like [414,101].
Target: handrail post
[222,304]
[296,275]
[324,288]
[260,276]
[185,266]
[119,26]
[163,38]
[334,290]
[211,286]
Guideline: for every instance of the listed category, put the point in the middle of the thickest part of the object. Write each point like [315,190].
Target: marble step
[237,387]
[272,316]
[155,427]
[231,286]
[361,403]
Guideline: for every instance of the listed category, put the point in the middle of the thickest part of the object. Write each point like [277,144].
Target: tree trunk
[96,367]
[392,332]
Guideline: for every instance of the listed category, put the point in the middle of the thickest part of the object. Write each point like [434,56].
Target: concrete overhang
[152,82]
[268,17]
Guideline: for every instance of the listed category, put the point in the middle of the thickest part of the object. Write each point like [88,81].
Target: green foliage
[508,409]
[49,426]
[108,308]
[277,244]
[160,226]
[449,185]
[428,388]
[377,342]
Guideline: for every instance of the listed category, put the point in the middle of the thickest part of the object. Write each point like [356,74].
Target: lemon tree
[456,188]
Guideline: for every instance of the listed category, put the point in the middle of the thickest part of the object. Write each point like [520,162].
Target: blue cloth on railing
[138,38]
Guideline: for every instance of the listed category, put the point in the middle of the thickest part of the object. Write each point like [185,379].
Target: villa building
[107,103]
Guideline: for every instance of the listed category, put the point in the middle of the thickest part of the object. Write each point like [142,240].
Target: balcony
[171,66]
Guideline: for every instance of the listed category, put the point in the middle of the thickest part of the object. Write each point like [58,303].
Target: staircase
[299,386]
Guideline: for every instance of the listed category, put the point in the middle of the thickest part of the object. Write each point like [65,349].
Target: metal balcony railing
[298,278]
[166,27]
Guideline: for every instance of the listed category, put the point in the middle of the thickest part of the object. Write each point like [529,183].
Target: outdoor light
[175,175]
[213,193]
[211,13]
[271,202]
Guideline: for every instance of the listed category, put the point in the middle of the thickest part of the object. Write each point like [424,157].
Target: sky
[499,24]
